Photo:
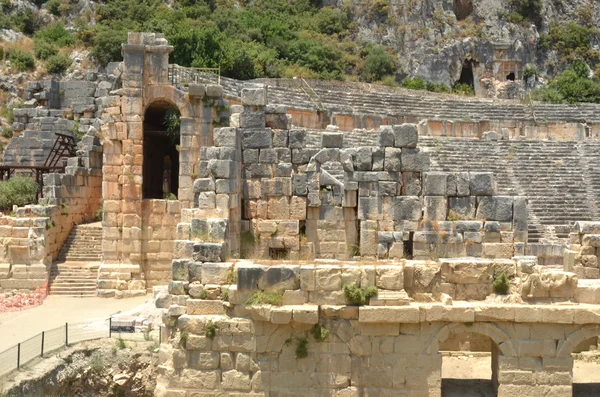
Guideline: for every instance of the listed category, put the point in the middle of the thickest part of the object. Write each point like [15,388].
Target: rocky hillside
[483,47]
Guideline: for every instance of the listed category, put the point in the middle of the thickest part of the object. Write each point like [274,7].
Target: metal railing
[179,75]
[41,345]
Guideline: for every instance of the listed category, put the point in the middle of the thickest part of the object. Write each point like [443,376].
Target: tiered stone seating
[350,98]
[553,175]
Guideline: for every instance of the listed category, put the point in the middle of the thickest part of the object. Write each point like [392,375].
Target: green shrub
[107,45]
[529,71]
[7,132]
[528,10]
[501,284]
[378,64]
[44,50]
[183,338]
[26,20]
[319,333]
[359,296]
[21,60]
[58,63]
[55,34]
[463,89]
[302,348]
[99,214]
[6,6]
[53,7]
[437,87]
[18,190]
[330,21]
[120,344]
[416,83]
[572,86]
[211,330]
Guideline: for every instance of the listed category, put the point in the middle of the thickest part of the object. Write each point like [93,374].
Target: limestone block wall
[217,343]
[327,200]
[141,236]
[582,258]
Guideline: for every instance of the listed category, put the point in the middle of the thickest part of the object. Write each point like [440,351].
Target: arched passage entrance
[481,337]
[583,345]
[161,156]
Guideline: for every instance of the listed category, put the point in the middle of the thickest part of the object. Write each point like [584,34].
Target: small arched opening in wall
[463,9]
[161,156]
[470,354]
[586,355]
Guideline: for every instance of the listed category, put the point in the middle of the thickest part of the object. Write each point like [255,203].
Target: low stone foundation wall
[273,328]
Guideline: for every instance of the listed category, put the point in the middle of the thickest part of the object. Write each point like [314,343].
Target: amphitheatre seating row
[560,179]
[347,99]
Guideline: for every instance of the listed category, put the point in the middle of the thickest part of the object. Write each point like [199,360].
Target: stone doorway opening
[463,9]
[466,74]
[469,366]
[586,378]
[161,156]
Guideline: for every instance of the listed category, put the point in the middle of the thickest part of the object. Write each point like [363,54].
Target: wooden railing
[179,75]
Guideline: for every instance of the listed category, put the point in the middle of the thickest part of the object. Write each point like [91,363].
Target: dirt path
[15,327]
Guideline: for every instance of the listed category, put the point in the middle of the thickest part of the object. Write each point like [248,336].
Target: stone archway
[500,346]
[575,338]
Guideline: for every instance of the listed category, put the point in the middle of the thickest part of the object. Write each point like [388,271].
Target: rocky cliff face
[434,38]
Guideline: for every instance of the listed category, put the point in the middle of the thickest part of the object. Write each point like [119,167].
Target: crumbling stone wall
[332,201]
[582,258]
[33,236]
[51,107]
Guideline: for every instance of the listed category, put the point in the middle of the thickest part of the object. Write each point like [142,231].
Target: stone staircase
[84,244]
[76,271]
[73,279]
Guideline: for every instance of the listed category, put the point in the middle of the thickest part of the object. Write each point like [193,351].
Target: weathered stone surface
[481,183]
[406,135]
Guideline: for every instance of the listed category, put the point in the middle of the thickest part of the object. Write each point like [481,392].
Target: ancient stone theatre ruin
[312,251]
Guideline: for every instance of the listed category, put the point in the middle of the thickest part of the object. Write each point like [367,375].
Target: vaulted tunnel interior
[161,158]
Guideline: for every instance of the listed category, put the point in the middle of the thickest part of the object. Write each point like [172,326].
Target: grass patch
[302,348]
[120,344]
[501,284]
[266,298]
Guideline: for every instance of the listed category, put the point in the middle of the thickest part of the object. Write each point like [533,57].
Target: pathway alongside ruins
[56,311]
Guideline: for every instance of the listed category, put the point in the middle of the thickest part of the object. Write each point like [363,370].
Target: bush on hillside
[21,60]
[416,83]
[17,190]
[528,10]
[53,7]
[107,45]
[44,50]
[55,34]
[26,20]
[572,86]
[378,64]
[58,63]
